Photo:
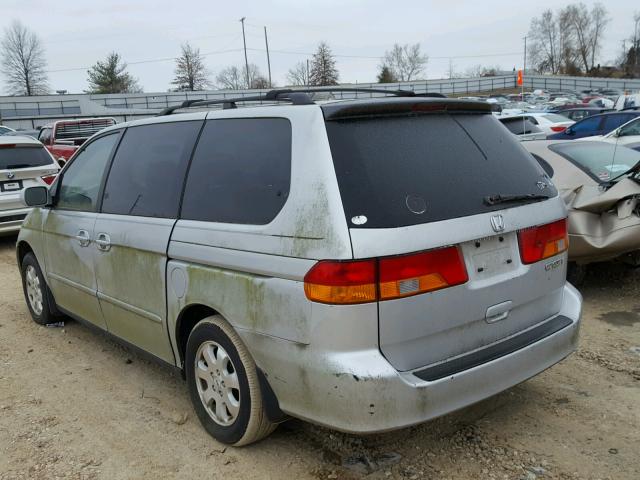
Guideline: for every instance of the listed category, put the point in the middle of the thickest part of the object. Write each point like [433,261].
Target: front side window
[614,121]
[148,170]
[241,171]
[80,183]
[631,129]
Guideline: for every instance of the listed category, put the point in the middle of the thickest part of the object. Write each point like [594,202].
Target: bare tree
[231,78]
[600,19]
[406,62]
[298,75]
[235,78]
[482,71]
[545,43]
[323,67]
[23,62]
[588,27]
[190,73]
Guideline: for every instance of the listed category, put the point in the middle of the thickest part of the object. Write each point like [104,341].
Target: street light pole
[246,61]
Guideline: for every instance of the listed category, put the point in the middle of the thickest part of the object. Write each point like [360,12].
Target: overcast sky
[77,33]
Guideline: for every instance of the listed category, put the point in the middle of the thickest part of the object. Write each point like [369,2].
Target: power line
[155,60]
[446,57]
[287,52]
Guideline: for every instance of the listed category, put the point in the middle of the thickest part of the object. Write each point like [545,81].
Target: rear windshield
[19,156]
[405,170]
[520,126]
[555,118]
[603,161]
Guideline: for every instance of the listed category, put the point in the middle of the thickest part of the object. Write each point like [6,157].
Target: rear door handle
[83,238]
[103,241]
[498,312]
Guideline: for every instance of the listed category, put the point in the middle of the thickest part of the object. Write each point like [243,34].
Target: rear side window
[148,170]
[23,156]
[45,136]
[407,170]
[240,172]
[589,124]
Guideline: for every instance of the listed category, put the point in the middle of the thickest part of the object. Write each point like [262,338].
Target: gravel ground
[74,404]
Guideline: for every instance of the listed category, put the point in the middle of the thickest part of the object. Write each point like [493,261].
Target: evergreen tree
[386,75]
[110,76]
[323,67]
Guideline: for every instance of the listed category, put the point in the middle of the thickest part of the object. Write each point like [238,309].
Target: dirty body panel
[252,274]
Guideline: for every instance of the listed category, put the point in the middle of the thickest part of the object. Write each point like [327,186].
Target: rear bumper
[360,392]
[11,220]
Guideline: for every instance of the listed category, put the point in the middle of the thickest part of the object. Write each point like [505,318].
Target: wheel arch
[22,248]
[187,319]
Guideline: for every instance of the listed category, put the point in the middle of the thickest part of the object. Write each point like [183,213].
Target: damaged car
[600,184]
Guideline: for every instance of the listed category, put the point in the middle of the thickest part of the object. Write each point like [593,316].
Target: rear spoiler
[393,106]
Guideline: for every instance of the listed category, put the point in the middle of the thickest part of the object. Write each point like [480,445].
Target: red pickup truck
[64,137]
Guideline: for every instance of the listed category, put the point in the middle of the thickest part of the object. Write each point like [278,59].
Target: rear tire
[223,384]
[36,292]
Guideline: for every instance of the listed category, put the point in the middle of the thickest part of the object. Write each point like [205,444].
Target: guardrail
[38,108]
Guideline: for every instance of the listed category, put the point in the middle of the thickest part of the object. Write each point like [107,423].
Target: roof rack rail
[297,96]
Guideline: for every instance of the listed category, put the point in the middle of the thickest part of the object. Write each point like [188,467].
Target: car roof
[605,114]
[586,108]
[18,139]
[338,108]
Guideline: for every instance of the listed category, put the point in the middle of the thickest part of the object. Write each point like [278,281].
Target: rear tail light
[342,282]
[48,179]
[558,129]
[421,272]
[543,241]
[386,278]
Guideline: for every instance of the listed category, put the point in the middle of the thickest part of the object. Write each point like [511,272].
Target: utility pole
[636,18]
[307,72]
[246,61]
[524,62]
[266,43]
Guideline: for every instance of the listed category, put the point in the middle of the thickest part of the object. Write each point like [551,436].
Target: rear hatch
[418,177]
[22,166]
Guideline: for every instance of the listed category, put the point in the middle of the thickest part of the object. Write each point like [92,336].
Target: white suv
[24,162]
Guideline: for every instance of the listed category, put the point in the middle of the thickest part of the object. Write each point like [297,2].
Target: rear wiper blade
[497,199]
[633,169]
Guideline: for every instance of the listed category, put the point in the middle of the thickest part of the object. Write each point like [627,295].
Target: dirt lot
[74,404]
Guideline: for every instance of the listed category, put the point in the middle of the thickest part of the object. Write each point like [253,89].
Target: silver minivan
[364,264]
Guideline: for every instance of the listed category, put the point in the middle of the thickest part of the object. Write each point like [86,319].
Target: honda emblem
[497,223]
